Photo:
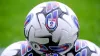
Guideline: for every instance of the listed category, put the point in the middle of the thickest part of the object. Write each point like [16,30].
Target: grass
[13,13]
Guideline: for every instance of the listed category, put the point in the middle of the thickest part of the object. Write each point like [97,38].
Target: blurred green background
[13,13]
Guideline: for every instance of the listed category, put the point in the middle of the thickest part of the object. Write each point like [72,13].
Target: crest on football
[52,21]
[51,18]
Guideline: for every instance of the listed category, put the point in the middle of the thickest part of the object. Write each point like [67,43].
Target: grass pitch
[13,13]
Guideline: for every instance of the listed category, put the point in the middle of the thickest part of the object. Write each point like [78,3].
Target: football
[51,24]
[86,48]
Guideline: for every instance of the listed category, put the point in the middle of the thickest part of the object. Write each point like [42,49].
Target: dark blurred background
[13,13]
